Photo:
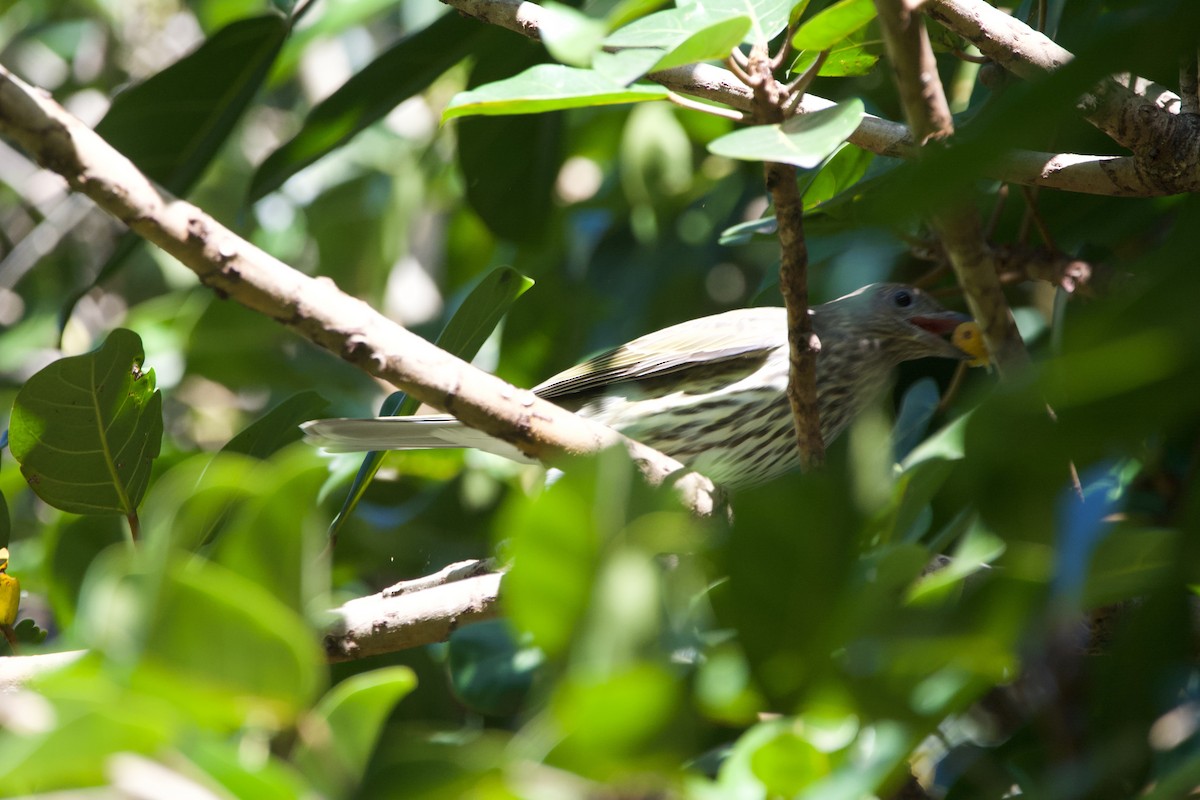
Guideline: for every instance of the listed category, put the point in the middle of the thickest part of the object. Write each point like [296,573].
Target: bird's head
[900,322]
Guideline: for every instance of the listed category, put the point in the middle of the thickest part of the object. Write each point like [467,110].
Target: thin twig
[796,89]
[738,70]
[705,108]
[963,55]
[1031,193]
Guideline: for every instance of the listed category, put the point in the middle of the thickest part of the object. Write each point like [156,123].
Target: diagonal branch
[958,227]
[313,307]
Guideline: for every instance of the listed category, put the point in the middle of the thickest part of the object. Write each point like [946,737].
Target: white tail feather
[403,433]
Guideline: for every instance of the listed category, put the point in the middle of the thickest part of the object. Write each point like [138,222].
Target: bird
[711,392]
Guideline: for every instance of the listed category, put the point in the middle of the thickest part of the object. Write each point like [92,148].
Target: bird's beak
[940,326]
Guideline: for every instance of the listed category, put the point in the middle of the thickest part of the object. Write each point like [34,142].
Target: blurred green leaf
[554,553]
[258,657]
[87,428]
[400,72]
[223,762]
[803,141]
[273,538]
[617,714]
[278,427]
[571,36]
[547,87]
[489,669]
[833,24]
[786,763]
[345,726]
[34,763]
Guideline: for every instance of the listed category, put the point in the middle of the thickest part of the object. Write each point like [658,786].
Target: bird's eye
[902,298]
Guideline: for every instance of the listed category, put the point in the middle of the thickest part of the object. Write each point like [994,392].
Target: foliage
[798,649]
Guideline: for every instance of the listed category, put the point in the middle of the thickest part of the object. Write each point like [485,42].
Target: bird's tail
[403,433]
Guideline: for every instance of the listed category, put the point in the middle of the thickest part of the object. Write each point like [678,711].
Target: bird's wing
[741,335]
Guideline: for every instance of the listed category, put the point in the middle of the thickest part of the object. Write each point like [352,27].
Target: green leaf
[841,171]
[87,428]
[712,42]
[743,232]
[834,24]
[683,36]
[193,105]
[256,656]
[571,36]
[278,427]
[490,671]
[398,73]
[469,327]
[787,763]
[547,87]
[803,141]
[846,61]
[345,726]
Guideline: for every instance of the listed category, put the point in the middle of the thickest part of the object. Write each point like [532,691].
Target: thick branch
[313,307]
[958,227]
[391,621]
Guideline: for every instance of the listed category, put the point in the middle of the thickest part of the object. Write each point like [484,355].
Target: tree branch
[958,227]
[313,307]
[1115,176]
[1133,112]
[410,614]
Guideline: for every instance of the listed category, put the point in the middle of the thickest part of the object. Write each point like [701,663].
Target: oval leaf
[804,141]
[547,87]
[87,428]
[833,24]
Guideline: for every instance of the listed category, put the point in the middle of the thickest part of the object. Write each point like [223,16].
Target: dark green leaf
[803,141]
[846,60]
[490,671]
[257,657]
[86,429]
[192,106]
[398,73]
[278,427]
